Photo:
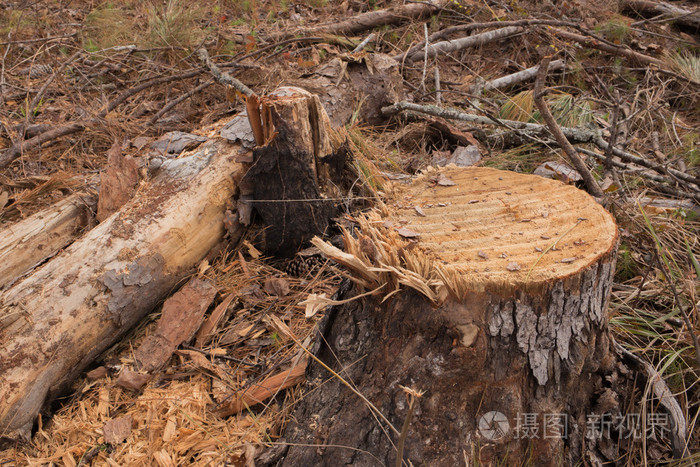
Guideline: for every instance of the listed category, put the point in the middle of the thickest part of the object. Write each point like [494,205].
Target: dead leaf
[407,233]
[131,380]
[4,196]
[118,429]
[513,266]
[98,373]
[277,286]
[203,267]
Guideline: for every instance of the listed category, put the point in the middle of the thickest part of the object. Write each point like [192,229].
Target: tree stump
[295,177]
[492,288]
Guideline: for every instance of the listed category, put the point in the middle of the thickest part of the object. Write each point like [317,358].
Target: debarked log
[493,294]
[57,320]
[27,243]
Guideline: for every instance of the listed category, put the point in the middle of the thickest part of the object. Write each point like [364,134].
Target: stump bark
[296,176]
[491,299]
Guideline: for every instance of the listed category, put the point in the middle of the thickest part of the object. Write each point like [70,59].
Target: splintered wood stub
[504,229]
[491,290]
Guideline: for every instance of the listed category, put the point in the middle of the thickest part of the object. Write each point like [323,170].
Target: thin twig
[425,56]
[364,43]
[438,94]
[175,102]
[538,97]
[222,76]
[613,133]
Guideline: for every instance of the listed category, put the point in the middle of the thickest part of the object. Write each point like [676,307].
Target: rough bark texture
[29,242]
[61,317]
[295,172]
[506,339]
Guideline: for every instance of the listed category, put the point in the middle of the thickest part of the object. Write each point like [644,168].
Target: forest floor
[77,76]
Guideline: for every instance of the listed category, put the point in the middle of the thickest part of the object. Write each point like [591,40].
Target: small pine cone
[300,266]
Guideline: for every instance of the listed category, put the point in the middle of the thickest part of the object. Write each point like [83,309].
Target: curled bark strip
[666,399]
[252,106]
[469,41]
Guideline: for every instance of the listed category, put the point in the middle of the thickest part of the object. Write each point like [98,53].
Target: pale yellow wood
[61,317]
[28,242]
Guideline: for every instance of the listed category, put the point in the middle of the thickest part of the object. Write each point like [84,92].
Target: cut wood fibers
[497,227]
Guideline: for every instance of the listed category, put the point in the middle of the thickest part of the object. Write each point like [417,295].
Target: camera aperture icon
[493,425]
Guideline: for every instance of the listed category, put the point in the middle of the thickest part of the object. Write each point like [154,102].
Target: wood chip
[407,233]
[444,181]
[419,211]
[513,266]
[482,255]
[277,286]
[568,260]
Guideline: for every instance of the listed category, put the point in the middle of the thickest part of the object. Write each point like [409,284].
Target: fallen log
[673,14]
[60,318]
[27,243]
[494,287]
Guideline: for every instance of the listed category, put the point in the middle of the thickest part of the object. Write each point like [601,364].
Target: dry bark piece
[131,380]
[27,243]
[118,182]
[98,373]
[118,429]
[475,336]
[175,142]
[181,317]
[207,329]
[260,392]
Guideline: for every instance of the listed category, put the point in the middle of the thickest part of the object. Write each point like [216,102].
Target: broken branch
[564,143]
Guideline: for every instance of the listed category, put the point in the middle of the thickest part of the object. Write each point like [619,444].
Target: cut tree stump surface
[502,228]
[491,290]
